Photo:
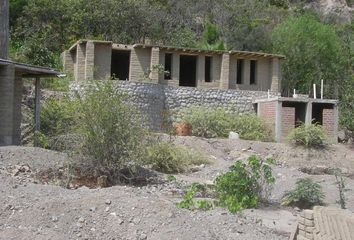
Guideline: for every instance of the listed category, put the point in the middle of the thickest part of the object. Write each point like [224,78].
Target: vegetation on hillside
[316,48]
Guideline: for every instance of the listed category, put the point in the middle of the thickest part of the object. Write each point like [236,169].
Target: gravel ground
[30,210]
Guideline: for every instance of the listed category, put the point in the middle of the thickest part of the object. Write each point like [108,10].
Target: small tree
[112,130]
[313,51]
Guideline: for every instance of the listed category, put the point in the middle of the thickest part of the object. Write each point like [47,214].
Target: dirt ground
[31,209]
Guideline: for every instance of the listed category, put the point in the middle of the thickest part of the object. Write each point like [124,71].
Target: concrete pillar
[200,70]
[89,60]
[275,71]
[225,71]
[278,121]
[80,62]
[308,117]
[68,62]
[4,28]
[102,61]
[155,61]
[175,66]
[7,82]
[17,116]
[246,72]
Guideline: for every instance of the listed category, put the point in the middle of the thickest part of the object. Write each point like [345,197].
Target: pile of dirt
[34,209]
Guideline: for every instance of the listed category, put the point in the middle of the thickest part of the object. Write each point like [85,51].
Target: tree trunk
[4,28]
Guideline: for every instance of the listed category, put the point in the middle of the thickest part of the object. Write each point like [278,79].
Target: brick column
[175,66]
[89,60]
[225,71]
[155,60]
[7,81]
[200,70]
[275,85]
[80,62]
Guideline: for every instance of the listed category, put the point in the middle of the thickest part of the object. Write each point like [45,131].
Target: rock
[142,236]
[55,219]
[108,202]
[233,135]
[107,209]
[120,221]
[81,220]
[102,181]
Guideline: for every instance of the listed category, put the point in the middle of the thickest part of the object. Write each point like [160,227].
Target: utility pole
[4,29]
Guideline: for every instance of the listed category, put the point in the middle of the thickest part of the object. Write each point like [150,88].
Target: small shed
[11,87]
[283,114]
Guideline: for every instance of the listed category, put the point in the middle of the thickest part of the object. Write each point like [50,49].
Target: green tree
[313,51]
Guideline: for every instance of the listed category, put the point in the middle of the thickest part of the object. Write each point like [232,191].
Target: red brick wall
[267,111]
[328,122]
[287,121]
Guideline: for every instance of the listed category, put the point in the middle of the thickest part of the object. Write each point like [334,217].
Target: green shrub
[251,127]
[308,135]
[206,122]
[113,134]
[218,122]
[169,158]
[190,203]
[58,116]
[245,184]
[306,194]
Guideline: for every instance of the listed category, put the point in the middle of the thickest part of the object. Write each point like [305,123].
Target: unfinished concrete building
[283,114]
[88,59]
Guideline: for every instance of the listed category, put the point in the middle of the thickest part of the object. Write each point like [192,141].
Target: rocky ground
[32,209]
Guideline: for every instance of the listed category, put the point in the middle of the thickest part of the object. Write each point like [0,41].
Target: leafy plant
[306,194]
[169,158]
[245,184]
[190,203]
[308,135]
[341,189]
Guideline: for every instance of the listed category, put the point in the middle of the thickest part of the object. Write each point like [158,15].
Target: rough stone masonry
[154,99]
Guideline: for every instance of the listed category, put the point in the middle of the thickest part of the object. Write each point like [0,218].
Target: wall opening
[120,64]
[317,112]
[253,70]
[300,111]
[188,71]
[239,77]
[168,66]
[208,69]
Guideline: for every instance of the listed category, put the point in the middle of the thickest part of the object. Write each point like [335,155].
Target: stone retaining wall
[155,100]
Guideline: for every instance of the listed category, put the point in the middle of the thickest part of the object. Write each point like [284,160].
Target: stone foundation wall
[156,100]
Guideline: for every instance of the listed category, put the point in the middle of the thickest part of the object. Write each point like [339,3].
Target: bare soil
[32,208]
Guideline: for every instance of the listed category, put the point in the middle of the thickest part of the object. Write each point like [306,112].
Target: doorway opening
[300,111]
[188,71]
[317,112]
[120,64]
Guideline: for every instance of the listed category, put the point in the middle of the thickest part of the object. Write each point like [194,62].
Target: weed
[308,135]
[306,194]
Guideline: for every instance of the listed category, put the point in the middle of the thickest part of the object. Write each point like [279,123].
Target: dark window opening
[120,64]
[239,71]
[317,112]
[168,66]
[300,111]
[208,69]
[187,71]
[253,68]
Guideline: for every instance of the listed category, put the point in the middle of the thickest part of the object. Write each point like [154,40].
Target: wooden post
[37,107]
[4,28]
